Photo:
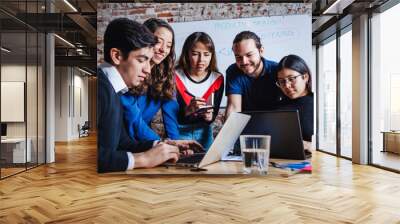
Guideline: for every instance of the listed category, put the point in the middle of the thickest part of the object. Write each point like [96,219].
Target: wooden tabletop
[221,168]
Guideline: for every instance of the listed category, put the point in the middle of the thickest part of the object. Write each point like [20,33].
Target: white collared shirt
[119,86]
[114,77]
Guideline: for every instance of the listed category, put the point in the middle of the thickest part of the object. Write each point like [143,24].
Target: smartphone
[204,109]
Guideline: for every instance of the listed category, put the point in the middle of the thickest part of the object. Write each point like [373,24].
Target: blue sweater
[139,112]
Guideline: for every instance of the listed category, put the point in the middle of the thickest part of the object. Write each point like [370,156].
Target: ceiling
[76,21]
[76,25]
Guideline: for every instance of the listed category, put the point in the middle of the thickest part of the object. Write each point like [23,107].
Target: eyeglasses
[290,80]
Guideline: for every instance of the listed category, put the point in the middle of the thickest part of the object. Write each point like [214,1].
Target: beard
[256,68]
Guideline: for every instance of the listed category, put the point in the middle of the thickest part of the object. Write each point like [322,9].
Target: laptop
[284,128]
[224,141]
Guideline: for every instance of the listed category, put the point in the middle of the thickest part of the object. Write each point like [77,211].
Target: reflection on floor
[386,159]
[10,169]
[346,152]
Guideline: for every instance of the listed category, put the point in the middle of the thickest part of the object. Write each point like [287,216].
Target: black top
[113,141]
[305,106]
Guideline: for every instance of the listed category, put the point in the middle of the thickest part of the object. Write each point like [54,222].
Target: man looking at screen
[128,48]
[250,83]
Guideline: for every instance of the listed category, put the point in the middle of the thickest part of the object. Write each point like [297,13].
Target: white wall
[360,90]
[61,103]
[33,126]
[17,73]
[80,112]
[71,93]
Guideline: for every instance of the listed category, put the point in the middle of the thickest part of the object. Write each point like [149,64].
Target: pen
[187,92]
[194,97]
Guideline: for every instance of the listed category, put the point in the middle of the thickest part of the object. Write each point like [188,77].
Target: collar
[114,77]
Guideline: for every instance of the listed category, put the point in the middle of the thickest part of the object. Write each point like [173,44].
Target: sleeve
[109,158]
[170,110]
[218,98]
[136,126]
[132,145]
[131,161]
[307,120]
[233,84]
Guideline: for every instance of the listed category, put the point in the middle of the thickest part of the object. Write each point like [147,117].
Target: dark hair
[245,35]
[161,82]
[184,62]
[126,35]
[297,64]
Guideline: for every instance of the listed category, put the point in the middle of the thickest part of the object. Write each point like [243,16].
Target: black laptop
[284,128]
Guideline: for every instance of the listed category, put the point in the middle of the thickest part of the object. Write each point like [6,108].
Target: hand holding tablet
[199,105]
[204,109]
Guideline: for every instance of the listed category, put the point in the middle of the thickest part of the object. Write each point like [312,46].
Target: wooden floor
[70,191]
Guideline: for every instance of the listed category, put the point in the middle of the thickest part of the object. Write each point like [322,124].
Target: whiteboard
[280,36]
[12,101]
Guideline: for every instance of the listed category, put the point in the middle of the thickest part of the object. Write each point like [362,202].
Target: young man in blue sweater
[128,48]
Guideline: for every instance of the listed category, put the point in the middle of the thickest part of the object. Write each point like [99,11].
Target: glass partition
[14,153]
[22,88]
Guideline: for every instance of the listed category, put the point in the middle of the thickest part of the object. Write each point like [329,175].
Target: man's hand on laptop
[167,150]
[186,145]
[157,155]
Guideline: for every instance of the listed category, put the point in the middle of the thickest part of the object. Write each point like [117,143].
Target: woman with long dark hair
[158,91]
[199,88]
[294,79]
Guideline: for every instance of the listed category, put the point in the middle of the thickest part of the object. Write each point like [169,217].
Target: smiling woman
[160,83]
[160,88]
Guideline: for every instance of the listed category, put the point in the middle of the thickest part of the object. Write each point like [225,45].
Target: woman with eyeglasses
[294,79]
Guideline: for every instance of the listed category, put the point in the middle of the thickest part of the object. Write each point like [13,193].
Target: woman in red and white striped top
[199,86]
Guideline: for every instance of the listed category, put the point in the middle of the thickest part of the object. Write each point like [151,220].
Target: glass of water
[255,153]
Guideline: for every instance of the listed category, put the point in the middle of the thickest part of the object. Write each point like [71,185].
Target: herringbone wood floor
[70,191]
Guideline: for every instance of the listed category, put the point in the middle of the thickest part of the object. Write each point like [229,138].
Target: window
[346,93]
[385,88]
[327,96]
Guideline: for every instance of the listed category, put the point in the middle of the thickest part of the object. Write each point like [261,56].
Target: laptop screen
[284,129]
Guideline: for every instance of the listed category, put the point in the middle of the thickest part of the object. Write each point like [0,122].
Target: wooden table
[221,168]
[14,150]
[391,141]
